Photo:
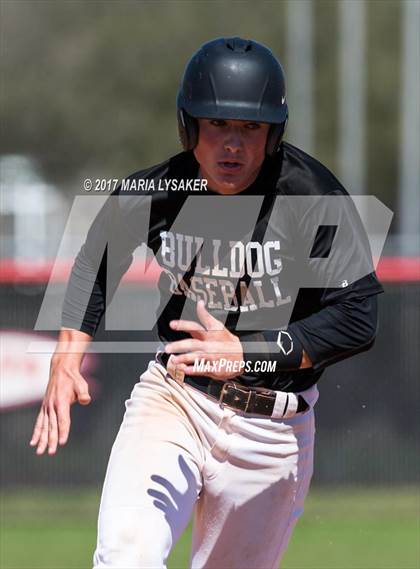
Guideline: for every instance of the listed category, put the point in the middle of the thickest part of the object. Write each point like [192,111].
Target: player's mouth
[230,165]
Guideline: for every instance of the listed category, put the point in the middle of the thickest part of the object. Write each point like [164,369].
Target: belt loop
[285,405]
[250,393]
[291,409]
[222,393]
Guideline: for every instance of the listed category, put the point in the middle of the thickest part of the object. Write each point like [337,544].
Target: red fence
[389,270]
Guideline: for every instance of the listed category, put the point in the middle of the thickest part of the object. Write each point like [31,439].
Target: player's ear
[274,137]
[188,130]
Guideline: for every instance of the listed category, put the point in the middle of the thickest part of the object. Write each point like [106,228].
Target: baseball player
[220,427]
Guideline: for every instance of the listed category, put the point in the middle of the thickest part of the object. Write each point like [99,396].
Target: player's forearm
[338,331]
[71,348]
[330,335]
[101,262]
[306,361]
[84,303]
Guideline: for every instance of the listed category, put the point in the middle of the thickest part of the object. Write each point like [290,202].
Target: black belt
[248,399]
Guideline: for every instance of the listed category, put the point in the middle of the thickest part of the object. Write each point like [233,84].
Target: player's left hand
[211,341]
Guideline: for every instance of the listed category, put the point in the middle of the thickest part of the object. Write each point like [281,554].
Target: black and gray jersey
[250,257]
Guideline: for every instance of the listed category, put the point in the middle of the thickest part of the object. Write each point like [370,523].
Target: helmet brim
[237,111]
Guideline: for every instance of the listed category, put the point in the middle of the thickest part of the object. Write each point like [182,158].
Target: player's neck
[227,191]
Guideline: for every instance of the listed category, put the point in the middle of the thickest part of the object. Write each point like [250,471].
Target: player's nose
[233,141]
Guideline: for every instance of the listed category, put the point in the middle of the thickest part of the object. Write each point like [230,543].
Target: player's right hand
[66,386]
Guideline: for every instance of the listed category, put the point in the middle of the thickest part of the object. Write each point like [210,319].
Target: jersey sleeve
[120,226]
[335,333]
[335,261]
[339,264]
[339,330]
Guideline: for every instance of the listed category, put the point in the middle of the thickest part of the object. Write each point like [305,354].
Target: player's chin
[232,181]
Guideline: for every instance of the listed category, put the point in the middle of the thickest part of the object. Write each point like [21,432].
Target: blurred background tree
[88,88]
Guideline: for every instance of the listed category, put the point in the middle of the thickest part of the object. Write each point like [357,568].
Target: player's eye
[218,122]
[252,126]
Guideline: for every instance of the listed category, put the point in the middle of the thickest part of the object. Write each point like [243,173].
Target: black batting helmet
[232,78]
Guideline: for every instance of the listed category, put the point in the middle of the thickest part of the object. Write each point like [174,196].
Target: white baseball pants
[179,453]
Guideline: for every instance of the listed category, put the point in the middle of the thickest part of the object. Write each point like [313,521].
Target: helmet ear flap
[187,129]
[274,137]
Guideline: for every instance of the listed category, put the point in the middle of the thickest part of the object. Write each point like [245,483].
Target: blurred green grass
[363,528]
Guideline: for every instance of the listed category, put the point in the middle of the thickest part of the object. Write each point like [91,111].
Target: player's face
[230,153]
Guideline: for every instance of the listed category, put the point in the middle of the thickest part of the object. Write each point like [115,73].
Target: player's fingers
[43,439]
[174,370]
[194,328]
[82,391]
[188,358]
[187,345]
[63,421]
[191,370]
[52,430]
[37,428]
[209,322]
[219,372]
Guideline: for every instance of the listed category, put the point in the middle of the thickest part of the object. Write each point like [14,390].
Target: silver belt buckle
[248,400]
[222,393]
[226,385]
